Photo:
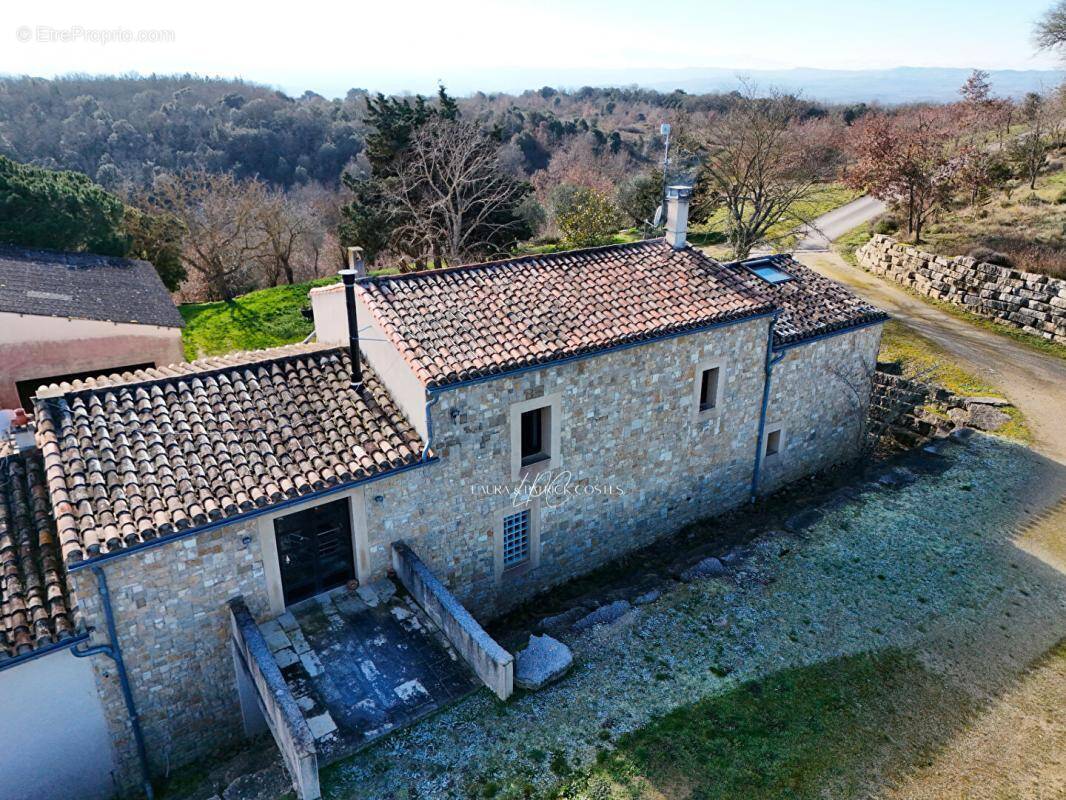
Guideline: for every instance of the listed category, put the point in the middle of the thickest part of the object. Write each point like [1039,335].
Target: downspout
[771,359]
[114,652]
[432,401]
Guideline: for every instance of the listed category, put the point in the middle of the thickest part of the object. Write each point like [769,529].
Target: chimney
[349,276]
[677,198]
[355,261]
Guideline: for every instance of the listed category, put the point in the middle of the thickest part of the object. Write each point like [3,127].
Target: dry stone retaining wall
[1035,303]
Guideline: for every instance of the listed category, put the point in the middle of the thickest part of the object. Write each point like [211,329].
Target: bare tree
[454,200]
[1050,31]
[287,228]
[221,215]
[760,161]
[1029,151]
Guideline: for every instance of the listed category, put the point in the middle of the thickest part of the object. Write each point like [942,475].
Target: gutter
[55,647]
[90,563]
[771,360]
[114,652]
[432,401]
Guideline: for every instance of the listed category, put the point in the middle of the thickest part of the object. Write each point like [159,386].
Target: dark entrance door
[315,550]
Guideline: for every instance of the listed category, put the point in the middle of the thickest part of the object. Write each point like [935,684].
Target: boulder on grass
[604,615]
[542,661]
[710,567]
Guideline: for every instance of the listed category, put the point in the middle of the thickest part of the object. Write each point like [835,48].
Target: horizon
[469,45]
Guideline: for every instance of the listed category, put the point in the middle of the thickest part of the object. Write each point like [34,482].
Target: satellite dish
[658,217]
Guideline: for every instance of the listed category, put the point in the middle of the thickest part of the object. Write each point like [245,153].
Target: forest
[228,186]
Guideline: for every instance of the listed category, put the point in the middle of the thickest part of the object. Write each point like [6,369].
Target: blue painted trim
[593,353]
[55,647]
[258,512]
[113,651]
[768,371]
[831,334]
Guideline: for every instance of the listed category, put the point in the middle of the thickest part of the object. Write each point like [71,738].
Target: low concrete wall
[1035,303]
[493,664]
[54,742]
[277,704]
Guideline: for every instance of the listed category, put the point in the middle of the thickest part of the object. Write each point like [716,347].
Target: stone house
[515,423]
[71,315]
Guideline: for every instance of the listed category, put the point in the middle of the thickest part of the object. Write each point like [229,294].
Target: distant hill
[887,86]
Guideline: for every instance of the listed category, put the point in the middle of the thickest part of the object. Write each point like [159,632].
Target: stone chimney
[677,198]
[355,261]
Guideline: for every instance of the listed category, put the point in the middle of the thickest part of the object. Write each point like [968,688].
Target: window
[534,447]
[773,443]
[767,269]
[536,440]
[516,539]
[708,389]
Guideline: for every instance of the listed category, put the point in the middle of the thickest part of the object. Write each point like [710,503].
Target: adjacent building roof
[84,286]
[137,456]
[35,609]
[460,323]
[810,304]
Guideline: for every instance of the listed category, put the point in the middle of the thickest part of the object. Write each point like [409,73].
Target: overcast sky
[411,44]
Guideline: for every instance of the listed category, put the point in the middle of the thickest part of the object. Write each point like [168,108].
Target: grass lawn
[810,732]
[266,318]
[851,241]
[923,359]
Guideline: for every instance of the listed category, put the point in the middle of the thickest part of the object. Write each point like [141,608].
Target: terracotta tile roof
[455,324]
[811,304]
[35,609]
[131,461]
[84,286]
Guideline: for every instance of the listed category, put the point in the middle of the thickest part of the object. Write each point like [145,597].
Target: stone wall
[173,627]
[897,410]
[819,394]
[493,664]
[1035,303]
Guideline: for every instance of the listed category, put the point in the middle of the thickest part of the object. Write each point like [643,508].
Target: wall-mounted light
[379,498]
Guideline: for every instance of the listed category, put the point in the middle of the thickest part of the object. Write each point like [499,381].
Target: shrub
[1034,200]
[1060,198]
[886,225]
[987,255]
[591,219]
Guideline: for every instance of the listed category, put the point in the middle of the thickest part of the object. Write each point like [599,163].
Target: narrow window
[516,539]
[709,389]
[773,443]
[534,445]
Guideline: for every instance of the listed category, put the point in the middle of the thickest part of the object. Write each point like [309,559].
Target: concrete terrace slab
[361,671]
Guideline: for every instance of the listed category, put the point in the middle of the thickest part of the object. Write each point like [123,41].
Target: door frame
[268,542]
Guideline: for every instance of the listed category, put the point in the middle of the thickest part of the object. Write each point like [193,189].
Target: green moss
[808,732]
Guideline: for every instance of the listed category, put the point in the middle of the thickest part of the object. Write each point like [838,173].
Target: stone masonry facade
[169,607]
[1035,303]
[635,459]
